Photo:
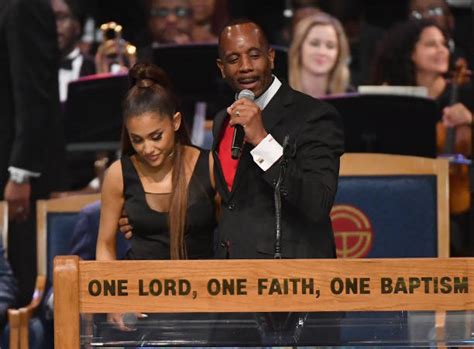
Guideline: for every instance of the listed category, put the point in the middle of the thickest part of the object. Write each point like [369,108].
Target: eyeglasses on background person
[165,12]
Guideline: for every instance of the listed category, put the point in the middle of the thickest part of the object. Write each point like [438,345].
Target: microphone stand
[284,321]
[277,198]
[270,325]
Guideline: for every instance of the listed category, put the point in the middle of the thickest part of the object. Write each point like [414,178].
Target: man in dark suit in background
[73,65]
[247,222]
[30,129]
[69,24]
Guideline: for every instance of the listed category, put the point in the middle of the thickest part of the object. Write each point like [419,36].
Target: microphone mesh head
[247,94]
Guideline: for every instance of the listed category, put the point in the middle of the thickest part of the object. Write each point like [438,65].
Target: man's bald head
[237,24]
[245,57]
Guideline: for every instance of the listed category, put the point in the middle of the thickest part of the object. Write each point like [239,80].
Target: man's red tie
[229,165]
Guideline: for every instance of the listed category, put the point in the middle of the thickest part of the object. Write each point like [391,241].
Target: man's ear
[271,56]
[177,121]
[220,65]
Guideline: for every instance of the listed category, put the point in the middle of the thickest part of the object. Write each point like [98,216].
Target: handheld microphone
[130,320]
[239,133]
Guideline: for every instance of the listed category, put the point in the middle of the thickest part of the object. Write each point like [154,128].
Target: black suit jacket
[247,222]
[30,129]
[87,67]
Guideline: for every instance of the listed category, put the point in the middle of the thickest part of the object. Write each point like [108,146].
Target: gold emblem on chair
[352,232]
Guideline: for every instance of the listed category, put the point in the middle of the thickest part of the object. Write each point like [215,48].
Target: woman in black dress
[164,184]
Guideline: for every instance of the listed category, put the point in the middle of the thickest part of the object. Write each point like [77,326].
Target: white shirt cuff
[267,152]
[23,172]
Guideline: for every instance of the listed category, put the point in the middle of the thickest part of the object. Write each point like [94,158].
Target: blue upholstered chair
[390,206]
[56,219]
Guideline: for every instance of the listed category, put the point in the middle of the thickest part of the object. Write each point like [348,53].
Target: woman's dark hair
[393,64]
[151,91]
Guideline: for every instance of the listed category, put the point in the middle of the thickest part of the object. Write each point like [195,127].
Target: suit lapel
[217,129]
[216,135]
[276,109]
[242,167]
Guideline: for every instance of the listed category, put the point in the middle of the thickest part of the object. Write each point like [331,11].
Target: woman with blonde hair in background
[319,56]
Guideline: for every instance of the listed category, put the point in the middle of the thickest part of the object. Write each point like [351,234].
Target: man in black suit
[74,64]
[30,129]
[247,222]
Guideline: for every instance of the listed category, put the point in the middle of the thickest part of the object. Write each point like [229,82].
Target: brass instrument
[114,54]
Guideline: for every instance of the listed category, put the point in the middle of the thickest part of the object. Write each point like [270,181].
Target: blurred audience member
[439,12]
[362,36]
[436,10]
[319,56]
[84,237]
[30,126]
[415,53]
[89,36]
[210,16]
[169,22]
[203,11]
[302,12]
[74,64]
[299,10]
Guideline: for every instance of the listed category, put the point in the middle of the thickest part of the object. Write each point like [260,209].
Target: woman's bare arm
[112,202]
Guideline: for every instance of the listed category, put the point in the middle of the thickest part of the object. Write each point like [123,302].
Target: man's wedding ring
[237,113]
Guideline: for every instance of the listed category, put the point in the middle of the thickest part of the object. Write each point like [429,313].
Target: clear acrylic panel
[374,329]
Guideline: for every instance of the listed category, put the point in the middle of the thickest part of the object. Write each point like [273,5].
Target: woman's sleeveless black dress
[151,239]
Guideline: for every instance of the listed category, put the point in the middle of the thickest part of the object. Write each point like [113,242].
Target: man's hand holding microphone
[246,117]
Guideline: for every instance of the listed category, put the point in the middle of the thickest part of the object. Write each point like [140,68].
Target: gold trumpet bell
[114,54]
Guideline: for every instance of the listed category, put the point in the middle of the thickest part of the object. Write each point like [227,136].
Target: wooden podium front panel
[276,285]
